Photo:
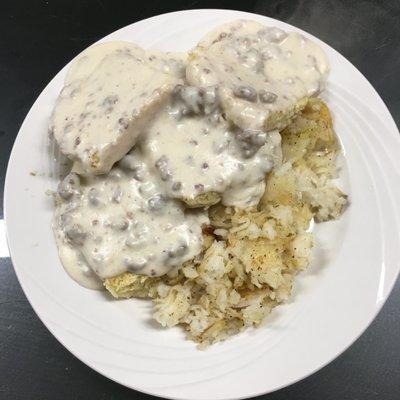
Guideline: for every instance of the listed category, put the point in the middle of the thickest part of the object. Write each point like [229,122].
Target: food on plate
[171,63]
[203,203]
[264,74]
[251,256]
[122,222]
[201,158]
[110,94]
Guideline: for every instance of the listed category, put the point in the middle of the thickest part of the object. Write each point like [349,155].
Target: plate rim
[8,189]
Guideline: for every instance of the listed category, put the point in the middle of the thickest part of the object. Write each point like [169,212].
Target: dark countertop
[37,38]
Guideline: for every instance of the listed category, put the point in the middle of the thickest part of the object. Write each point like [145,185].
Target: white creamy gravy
[194,150]
[171,63]
[128,220]
[111,91]
[74,262]
[260,70]
[121,222]
[187,141]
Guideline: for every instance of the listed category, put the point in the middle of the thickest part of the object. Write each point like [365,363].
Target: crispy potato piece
[206,199]
[309,148]
[130,285]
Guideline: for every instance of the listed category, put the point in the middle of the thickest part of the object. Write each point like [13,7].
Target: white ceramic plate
[354,268]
